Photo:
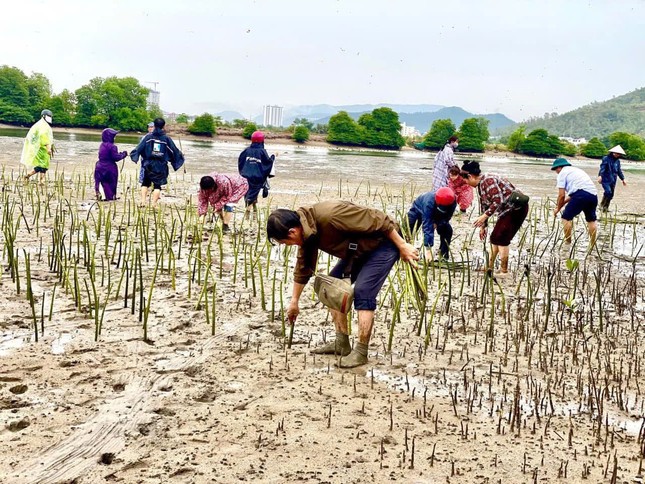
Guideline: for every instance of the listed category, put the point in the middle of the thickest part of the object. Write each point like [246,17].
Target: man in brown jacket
[368,244]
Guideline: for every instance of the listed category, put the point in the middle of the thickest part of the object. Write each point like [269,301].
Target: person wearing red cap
[433,211]
[255,164]
[496,197]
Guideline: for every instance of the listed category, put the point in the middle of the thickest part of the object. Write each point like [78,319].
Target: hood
[108,135]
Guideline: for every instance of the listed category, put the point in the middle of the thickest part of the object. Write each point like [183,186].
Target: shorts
[508,225]
[40,169]
[581,201]
[146,182]
[368,273]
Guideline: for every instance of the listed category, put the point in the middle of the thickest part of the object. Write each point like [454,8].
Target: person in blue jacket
[156,150]
[433,211]
[255,164]
[609,173]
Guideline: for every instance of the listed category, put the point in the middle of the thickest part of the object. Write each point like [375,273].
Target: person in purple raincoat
[106,173]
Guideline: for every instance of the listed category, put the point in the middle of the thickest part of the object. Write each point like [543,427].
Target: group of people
[366,241]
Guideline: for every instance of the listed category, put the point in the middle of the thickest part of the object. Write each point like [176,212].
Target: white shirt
[573,179]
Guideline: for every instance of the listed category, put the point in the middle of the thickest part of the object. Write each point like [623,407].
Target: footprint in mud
[207,397]
[119,387]
[165,412]
[18,389]
[19,425]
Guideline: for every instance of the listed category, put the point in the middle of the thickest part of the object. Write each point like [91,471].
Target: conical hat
[618,149]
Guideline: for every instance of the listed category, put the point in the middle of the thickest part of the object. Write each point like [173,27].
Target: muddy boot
[340,346]
[357,357]
[226,229]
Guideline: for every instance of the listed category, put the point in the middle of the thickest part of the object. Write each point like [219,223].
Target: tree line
[120,103]
[473,134]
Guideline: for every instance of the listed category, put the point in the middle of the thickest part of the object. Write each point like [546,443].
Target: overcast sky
[518,57]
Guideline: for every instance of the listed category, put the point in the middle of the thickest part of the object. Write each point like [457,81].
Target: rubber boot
[340,346]
[357,357]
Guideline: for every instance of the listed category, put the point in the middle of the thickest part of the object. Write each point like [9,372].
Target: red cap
[257,137]
[444,196]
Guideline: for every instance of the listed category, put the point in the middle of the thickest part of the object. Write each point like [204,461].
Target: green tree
[40,92]
[116,102]
[516,139]
[204,124]
[568,149]
[342,129]
[540,143]
[154,112]
[300,134]
[381,129]
[440,131]
[240,123]
[182,118]
[320,128]
[15,105]
[473,134]
[63,107]
[249,128]
[593,149]
[303,122]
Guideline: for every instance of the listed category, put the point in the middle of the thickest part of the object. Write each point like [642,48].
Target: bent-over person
[220,192]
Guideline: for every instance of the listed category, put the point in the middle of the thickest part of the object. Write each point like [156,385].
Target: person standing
[151,128]
[433,211]
[255,164]
[496,198]
[220,192]
[368,244]
[38,147]
[576,193]
[106,172]
[609,173]
[156,150]
[442,163]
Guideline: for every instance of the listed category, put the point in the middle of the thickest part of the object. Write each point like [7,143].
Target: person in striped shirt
[220,192]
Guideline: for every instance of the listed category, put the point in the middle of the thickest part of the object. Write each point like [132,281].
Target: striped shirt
[494,193]
[443,161]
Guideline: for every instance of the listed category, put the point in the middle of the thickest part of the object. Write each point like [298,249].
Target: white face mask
[455,144]
[48,119]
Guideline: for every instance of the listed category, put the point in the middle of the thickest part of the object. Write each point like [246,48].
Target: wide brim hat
[618,149]
[559,163]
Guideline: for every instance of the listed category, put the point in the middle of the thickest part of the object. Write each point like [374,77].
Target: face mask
[454,145]
[48,119]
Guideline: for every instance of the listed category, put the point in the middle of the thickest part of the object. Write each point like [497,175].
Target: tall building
[409,131]
[153,98]
[272,116]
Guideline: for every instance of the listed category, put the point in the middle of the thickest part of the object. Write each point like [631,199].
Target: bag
[334,293]
[518,199]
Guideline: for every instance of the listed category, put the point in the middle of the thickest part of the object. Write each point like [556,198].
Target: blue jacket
[610,169]
[426,206]
[254,164]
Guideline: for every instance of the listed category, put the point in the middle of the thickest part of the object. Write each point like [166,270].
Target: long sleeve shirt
[331,226]
[494,194]
[610,169]
[228,189]
[443,161]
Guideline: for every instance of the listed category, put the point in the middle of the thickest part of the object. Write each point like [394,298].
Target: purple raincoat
[106,173]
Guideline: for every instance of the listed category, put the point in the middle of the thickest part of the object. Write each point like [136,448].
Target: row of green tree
[473,134]
[378,129]
[540,143]
[119,103]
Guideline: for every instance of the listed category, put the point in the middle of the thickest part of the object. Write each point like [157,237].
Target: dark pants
[368,273]
[444,230]
[581,201]
[507,226]
[106,175]
[608,194]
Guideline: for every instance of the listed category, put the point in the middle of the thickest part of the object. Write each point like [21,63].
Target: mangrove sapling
[30,292]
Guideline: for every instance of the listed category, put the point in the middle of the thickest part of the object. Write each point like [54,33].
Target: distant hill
[423,120]
[622,113]
[229,115]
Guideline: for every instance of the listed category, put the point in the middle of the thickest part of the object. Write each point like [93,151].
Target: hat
[444,196]
[151,124]
[559,163]
[618,149]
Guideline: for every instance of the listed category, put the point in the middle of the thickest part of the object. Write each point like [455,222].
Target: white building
[272,116]
[409,131]
[575,141]
[153,98]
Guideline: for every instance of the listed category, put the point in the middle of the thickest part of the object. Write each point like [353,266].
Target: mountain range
[622,113]
[420,116]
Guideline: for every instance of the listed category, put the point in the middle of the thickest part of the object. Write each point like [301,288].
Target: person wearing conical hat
[576,194]
[609,173]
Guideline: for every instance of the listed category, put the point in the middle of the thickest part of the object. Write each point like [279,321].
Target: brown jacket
[331,226]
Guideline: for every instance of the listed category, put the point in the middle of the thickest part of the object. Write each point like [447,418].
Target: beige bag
[334,293]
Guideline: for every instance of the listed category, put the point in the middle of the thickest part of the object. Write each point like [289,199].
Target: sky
[517,57]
